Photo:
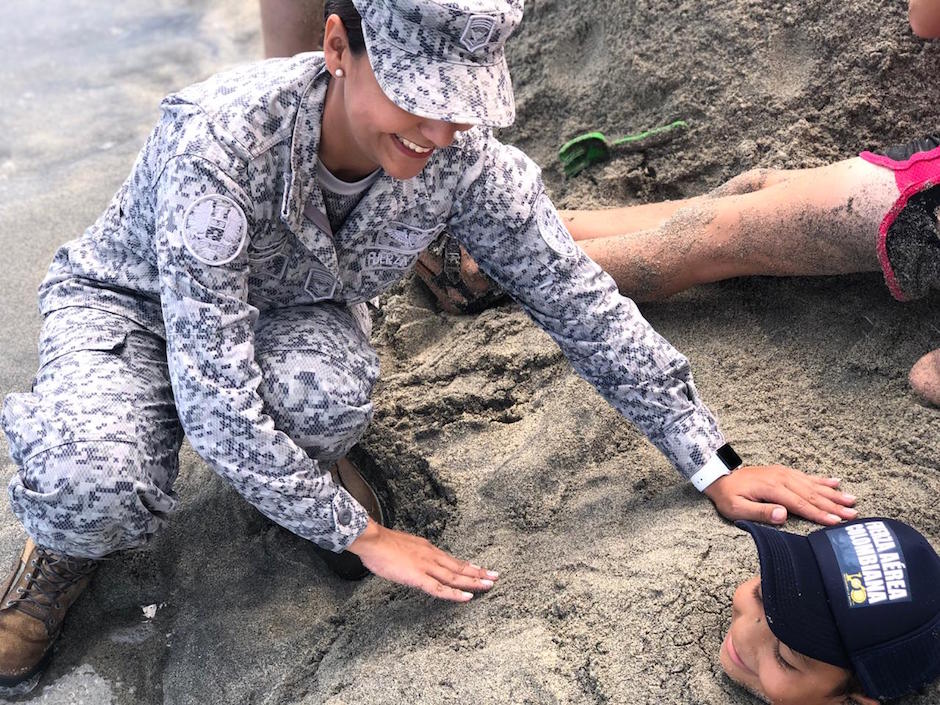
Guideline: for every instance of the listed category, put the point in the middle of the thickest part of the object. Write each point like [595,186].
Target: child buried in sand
[877,211]
[848,614]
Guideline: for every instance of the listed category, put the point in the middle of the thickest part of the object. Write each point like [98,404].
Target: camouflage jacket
[233,159]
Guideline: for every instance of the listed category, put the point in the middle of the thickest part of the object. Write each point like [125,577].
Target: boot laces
[48,577]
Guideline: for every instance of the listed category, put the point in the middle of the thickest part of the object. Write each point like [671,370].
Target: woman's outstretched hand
[766,493]
[414,561]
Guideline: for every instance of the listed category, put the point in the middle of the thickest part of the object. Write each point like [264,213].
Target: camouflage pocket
[73,329]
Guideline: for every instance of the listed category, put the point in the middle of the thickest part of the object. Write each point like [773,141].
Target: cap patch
[214,229]
[872,564]
[477,33]
[552,230]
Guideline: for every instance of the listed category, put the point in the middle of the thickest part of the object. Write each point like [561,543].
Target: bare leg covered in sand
[763,222]
[798,223]
[804,222]
[781,223]
[925,377]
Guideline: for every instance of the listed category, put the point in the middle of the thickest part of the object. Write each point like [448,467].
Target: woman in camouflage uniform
[222,294]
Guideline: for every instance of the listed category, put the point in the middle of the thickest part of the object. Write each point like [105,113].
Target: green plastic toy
[592,147]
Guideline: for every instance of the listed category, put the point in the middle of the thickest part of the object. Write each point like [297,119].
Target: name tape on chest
[379,258]
[214,229]
[552,230]
[872,564]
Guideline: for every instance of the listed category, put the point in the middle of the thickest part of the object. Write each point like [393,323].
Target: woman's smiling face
[755,658]
[366,129]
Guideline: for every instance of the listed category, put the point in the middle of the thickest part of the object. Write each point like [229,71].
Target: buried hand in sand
[846,615]
[873,212]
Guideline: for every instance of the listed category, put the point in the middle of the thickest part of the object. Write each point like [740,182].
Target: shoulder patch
[552,230]
[214,229]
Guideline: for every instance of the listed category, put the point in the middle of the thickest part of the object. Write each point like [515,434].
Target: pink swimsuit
[917,173]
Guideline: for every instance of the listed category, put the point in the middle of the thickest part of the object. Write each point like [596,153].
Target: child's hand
[411,560]
[765,493]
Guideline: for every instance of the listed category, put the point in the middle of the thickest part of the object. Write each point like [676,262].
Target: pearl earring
[339,73]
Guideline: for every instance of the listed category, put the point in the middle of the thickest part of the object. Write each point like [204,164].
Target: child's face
[755,658]
[383,133]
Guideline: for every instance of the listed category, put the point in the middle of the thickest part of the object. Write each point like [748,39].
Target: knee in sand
[748,182]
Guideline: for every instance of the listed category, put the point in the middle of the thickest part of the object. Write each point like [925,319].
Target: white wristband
[709,472]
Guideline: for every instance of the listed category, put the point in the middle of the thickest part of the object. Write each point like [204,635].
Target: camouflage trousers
[98,437]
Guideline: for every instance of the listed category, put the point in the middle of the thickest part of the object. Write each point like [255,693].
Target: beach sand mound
[616,575]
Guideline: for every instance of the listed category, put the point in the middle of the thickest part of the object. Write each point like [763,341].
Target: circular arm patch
[214,229]
[552,229]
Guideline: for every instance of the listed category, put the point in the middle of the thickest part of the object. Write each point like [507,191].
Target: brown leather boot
[36,595]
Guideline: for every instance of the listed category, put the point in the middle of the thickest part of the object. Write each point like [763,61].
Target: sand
[616,575]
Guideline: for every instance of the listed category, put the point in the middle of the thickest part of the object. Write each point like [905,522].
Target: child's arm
[289,27]
[924,16]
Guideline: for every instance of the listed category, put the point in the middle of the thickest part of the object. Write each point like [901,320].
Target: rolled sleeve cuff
[691,443]
[349,521]
[314,508]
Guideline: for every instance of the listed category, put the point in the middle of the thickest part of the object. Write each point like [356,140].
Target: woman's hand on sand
[414,561]
[768,492]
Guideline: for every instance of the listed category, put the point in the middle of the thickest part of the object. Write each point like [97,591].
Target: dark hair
[352,22]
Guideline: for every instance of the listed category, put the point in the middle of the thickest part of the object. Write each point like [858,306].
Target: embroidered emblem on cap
[214,229]
[872,564]
[478,32]
[552,230]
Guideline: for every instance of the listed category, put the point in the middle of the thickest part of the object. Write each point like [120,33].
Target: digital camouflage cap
[443,60]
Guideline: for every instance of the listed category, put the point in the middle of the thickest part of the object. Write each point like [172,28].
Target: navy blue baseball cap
[863,595]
